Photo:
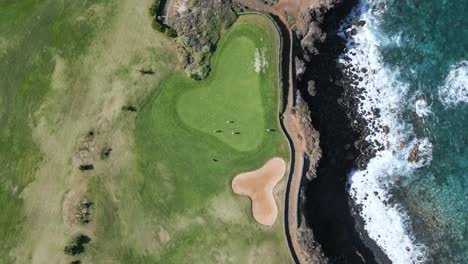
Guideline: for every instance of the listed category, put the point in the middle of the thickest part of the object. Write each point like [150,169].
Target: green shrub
[183,41]
[291,20]
[157,26]
[198,57]
[76,245]
[170,32]
[206,49]
[153,10]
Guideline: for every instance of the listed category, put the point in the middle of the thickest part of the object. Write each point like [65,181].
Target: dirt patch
[177,7]
[69,208]
[258,185]
[76,210]
[291,12]
[295,7]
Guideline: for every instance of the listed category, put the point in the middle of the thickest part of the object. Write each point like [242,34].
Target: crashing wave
[455,89]
[384,99]
[422,108]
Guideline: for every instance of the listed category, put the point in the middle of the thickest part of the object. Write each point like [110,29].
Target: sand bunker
[258,185]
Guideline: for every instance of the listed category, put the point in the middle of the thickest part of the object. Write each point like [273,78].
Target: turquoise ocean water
[416,60]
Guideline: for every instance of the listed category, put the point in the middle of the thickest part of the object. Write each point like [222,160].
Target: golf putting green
[234,97]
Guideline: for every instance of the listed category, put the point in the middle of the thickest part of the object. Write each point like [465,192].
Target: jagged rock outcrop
[309,32]
[310,135]
[300,67]
[312,250]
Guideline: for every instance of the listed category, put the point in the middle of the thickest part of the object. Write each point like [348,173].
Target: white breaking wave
[422,108]
[455,88]
[383,101]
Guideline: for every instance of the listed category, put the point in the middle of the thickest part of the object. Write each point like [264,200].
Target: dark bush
[157,26]
[170,32]
[76,245]
[153,10]
[86,167]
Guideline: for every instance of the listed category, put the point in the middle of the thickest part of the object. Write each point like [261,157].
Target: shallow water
[412,60]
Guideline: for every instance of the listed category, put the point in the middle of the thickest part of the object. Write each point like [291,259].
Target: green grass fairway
[176,145]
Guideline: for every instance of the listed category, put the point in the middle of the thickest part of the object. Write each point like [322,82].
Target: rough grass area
[31,34]
[67,68]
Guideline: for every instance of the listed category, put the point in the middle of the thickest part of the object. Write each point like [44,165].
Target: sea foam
[422,108]
[386,222]
[455,89]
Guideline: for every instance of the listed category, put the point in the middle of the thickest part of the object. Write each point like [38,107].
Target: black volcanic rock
[327,207]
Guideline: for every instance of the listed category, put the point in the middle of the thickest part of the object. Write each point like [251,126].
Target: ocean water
[411,63]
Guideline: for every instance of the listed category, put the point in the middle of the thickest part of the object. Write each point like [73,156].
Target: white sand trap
[258,185]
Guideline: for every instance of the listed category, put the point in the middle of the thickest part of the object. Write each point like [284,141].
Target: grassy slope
[67,67]
[30,33]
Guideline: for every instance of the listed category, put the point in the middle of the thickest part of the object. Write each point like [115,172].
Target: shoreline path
[290,127]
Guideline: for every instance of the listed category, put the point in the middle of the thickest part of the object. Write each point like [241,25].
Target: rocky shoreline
[326,207]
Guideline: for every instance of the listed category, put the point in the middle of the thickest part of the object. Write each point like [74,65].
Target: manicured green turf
[234,91]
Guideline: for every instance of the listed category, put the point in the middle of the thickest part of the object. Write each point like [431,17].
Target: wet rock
[414,154]
[385,129]
[361,144]
[361,23]
[311,88]
[300,67]
[376,112]
[353,33]
[401,144]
